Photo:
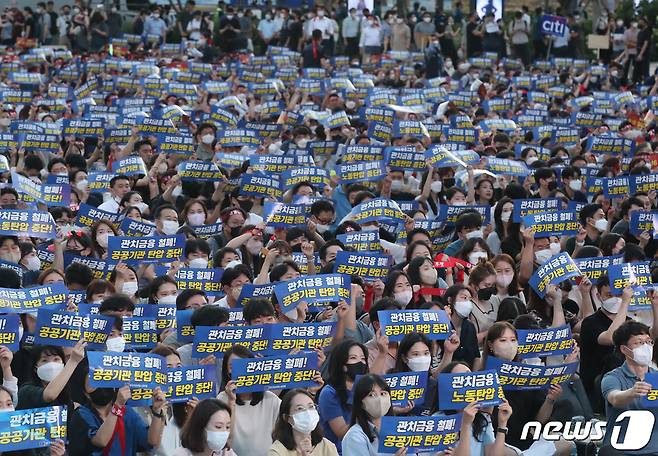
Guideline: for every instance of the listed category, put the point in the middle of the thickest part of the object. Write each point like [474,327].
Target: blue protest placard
[269,164]
[440,157]
[302,336]
[377,209]
[651,399]
[407,158]
[616,187]
[556,270]
[83,127]
[612,144]
[29,299]
[405,387]
[642,221]
[449,214]
[99,182]
[87,215]
[546,224]
[362,153]
[250,291]
[261,186]
[461,135]
[200,171]
[368,265]
[507,167]
[140,332]
[132,165]
[523,207]
[456,391]
[135,228]
[130,250]
[418,434]
[624,275]
[281,215]
[519,376]
[65,329]
[361,241]
[32,428]
[176,144]
[595,267]
[20,222]
[395,324]
[209,340]
[205,279]
[274,372]
[138,370]
[184,328]
[9,331]
[545,342]
[314,290]
[643,183]
[318,177]
[361,171]
[238,137]
[163,314]
[187,382]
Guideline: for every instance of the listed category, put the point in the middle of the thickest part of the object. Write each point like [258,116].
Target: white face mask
[463,308]
[403,297]
[419,363]
[322,228]
[254,247]
[142,206]
[427,19]
[543,256]
[504,279]
[474,234]
[437,186]
[533,361]
[531,160]
[129,288]
[33,263]
[575,185]
[5,121]
[306,421]
[505,216]
[643,354]
[507,351]
[302,143]
[458,203]
[232,264]
[612,305]
[216,440]
[103,239]
[601,225]
[169,299]
[396,185]
[198,263]
[370,228]
[177,191]
[169,227]
[48,371]
[556,247]
[474,257]
[116,344]
[82,185]
[196,219]
[207,139]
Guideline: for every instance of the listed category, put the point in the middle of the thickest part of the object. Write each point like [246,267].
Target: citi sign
[553,25]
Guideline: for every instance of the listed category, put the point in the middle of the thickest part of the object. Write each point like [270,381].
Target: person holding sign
[624,387]
[207,430]
[414,355]
[297,431]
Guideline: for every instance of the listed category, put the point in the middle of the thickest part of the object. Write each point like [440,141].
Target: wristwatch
[504,430]
[160,415]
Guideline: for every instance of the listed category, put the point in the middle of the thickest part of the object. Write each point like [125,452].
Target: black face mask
[235,231]
[102,396]
[246,205]
[484,294]
[296,248]
[353,370]
[448,182]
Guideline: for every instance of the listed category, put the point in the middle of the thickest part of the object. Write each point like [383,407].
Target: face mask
[355,369]
[543,256]
[216,440]
[102,239]
[232,264]
[555,248]
[474,257]
[169,227]
[620,23]
[306,421]
[484,294]
[196,219]
[177,191]
[474,234]
[377,406]
[403,297]
[643,354]
[48,371]
[235,292]
[463,308]
[427,19]
[207,139]
[229,16]
[198,263]
[156,15]
[235,231]
[459,203]
[531,160]
[129,288]
[169,299]
[575,185]
[302,143]
[370,228]
[322,228]
[505,216]
[601,225]
[142,206]
[429,277]
[82,185]
[116,344]
[436,186]
[254,247]
[419,364]
[268,16]
[612,304]
[33,263]
[507,351]
[504,279]
[320,13]
[102,396]
[291,314]
[5,121]
[533,361]
[396,185]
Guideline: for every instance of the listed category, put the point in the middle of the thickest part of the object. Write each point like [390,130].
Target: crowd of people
[262,138]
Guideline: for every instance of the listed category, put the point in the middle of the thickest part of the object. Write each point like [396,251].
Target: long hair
[241,352]
[406,343]
[495,331]
[361,390]
[337,376]
[193,433]
[480,421]
[513,287]
[283,429]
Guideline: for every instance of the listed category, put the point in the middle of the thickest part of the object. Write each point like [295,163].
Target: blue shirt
[622,378]
[454,247]
[330,408]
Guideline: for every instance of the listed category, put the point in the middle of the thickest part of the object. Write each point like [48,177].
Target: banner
[187,382]
[314,290]
[280,215]
[261,186]
[361,241]
[80,127]
[545,342]
[440,157]
[507,167]
[9,331]
[205,279]
[209,340]
[362,153]
[133,165]
[418,434]
[398,158]
[32,428]
[318,177]
[456,391]
[140,333]
[29,299]
[523,207]
[595,267]
[377,210]
[361,171]
[369,266]
[556,270]
[176,144]
[135,228]
[249,290]
[50,195]
[132,250]
[449,214]
[546,224]
[19,222]
[199,171]
[396,324]
[642,221]
[138,370]
[519,376]
[616,187]
[405,387]
[87,215]
[303,336]
[275,372]
[65,329]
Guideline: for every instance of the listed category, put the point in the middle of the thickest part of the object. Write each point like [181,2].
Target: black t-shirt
[473,42]
[643,36]
[468,344]
[525,405]
[229,34]
[592,354]
[312,59]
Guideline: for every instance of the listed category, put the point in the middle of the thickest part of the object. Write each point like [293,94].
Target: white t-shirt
[110,205]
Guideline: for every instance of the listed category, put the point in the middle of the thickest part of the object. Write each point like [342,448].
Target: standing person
[538,42]
[43,24]
[232,33]
[268,30]
[371,39]
[520,33]
[423,31]
[6,30]
[492,34]
[54,30]
[295,32]
[138,23]
[618,38]
[183,17]
[350,31]
[448,34]
[641,69]
[433,58]
[630,50]
[326,26]
[99,31]
[576,42]
[193,28]
[400,35]
[114,23]
[155,25]
[473,36]
[313,54]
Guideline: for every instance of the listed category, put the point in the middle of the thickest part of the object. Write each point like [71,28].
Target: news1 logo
[553,25]
[621,438]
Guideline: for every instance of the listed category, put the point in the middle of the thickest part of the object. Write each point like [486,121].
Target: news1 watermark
[640,421]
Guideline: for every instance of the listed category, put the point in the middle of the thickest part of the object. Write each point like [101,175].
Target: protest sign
[519,376]
[370,266]
[421,434]
[137,370]
[65,329]
[317,289]
[395,324]
[32,428]
[556,270]
[545,342]
[456,391]
[132,250]
[274,372]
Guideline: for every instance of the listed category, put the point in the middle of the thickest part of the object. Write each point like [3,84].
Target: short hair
[294,233]
[628,329]
[116,179]
[54,162]
[588,211]
[78,273]
[209,316]
[99,286]
[544,173]
[570,172]
[197,245]
[255,308]
[162,207]
[626,205]
[193,433]
[468,220]
[116,303]
[185,295]
[382,304]
[323,250]
[322,206]
[280,270]
[158,282]
[233,273]
[9,278]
